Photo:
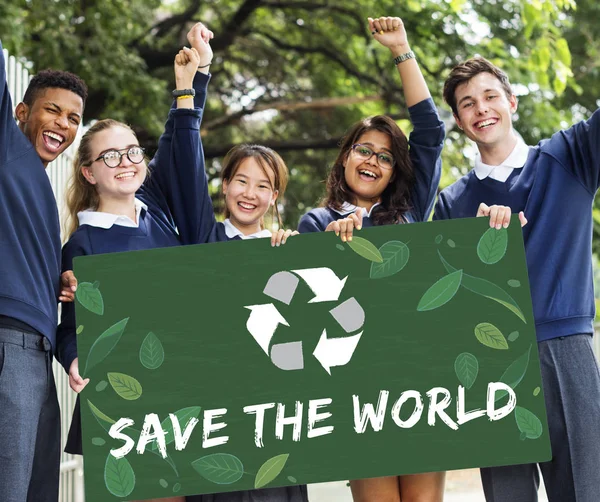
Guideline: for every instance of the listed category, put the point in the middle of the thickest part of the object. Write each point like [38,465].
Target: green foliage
[295,75]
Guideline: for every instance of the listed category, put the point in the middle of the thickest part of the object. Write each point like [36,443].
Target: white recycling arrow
[335,351]
[263,322]
[323,282]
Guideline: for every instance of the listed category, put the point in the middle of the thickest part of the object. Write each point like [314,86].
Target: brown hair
[268,160]
[395,199]
[81,194]
[466,71]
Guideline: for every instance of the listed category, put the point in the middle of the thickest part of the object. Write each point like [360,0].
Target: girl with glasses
[381,178]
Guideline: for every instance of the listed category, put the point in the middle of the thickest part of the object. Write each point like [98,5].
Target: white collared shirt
[232,231]
[107,220]
[516,160]
[348,208]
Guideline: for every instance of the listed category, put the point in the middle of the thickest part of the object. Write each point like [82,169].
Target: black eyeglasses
[385,160]
[112,158]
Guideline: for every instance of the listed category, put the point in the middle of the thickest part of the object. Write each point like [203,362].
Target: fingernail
[343,239]
[278,244]
[381,32]
[506,225]
[337,234]
[359,227]
[349,238]
[498,226]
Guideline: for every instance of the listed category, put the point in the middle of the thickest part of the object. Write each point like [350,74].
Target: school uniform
[554,183]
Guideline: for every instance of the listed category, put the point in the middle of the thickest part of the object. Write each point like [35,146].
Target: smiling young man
[554,183]
[48,119]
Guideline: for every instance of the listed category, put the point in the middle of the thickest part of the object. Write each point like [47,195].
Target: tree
[295,74]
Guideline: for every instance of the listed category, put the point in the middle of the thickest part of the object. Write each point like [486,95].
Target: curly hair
[47,79]
[395,199]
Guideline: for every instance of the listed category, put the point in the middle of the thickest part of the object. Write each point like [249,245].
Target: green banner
[233,366]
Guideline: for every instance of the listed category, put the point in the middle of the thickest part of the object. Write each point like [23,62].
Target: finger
[377,26]
[493,215]
[506,219]
[355,221]
[522,219]
[396,23]
[483,210]
[286,234]
[295,232]
[343,224]
[359,217]
[334,226]
[386,24]
[371,26]
[273,239]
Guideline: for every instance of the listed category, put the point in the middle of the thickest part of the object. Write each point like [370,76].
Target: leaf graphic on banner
[183,416]
[79,330]
[395,257]
[101,385]
[466,367]
[514,373]
[270,470]
[119,476]
[441,292]
[152,353]
[492,245]
[490,336]
[514,283]
[340,247]
[528,423]
[125,386]
[106,422]
[98,442]
[90,297]
[536,391]
[487,289]
[513,336]
[104,344]
[219,468]
[366,249]
[163,483]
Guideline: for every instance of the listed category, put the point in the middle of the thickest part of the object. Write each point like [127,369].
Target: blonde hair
[81,194]
[267,159]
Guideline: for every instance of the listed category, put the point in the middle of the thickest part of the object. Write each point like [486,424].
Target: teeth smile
[246,206]
[54,136]
[366,172]
[486,123]
[129,174]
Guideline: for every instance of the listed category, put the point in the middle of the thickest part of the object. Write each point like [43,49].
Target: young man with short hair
[554,183]
[48,119]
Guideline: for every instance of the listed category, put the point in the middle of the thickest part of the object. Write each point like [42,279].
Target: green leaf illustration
[514,373]
[119,476]
[466,367]
[98,442]
[219,468]
[340,247]
[528,423]
[106,423]
[514,283]
[451,243]
[492,245]
[104,344]
[270,470]
[125,386]
[163,483]
[292,479]
[441,292]
[439,238]
[513,336]
[366,249]
[79,330]
[487,289]
[183,416]
[536,391]
[101,385]
[176,487]
[90,297]
[152,353]
[395,257]
[490,336]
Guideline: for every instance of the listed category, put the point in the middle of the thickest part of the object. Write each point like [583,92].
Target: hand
[345,226]
[199,37]
[68,286]
[75,381]
[389,32]
[281,236]
[499,215]
[186,64]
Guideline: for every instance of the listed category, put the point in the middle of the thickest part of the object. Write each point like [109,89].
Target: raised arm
[9,132]
[427,138]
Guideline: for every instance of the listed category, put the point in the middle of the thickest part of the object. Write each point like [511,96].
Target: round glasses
[363,152]
[113,158]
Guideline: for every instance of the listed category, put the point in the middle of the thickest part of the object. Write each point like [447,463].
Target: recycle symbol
[327,287]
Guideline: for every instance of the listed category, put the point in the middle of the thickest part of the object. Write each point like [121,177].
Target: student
[554,183]
[381,178]
[48,119]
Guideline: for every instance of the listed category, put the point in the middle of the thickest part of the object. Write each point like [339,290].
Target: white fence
[71,477]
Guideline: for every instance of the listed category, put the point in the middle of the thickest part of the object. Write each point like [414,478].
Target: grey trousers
[571,381]
[29,419]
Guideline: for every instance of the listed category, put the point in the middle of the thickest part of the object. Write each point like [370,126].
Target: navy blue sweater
[29,228]
[425,148]
[168,193]
[555,189]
